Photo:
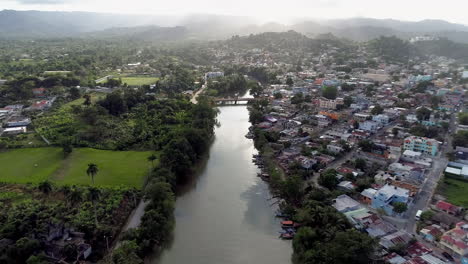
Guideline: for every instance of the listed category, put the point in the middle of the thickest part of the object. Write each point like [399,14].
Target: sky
[264,10]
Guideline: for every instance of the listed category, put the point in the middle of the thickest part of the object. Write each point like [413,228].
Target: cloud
[42,2]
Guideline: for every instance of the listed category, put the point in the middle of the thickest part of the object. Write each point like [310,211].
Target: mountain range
[41,24]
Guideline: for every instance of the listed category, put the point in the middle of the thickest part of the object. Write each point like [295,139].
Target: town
[357,151]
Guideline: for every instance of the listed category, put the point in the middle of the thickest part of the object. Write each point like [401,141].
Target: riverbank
[225,215]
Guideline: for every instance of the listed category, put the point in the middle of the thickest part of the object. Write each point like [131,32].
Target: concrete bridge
[233,101]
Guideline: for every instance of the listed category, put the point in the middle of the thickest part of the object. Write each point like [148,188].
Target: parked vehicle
[418,215]
[447,256]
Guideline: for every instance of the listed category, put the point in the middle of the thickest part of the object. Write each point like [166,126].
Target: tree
[151,159]
[255,89]
[399,207]
[463,118]
[377,110]
[127,253]
[423,113]
[75,196]
[67,149]
[289,81]
[330,92]
[92,171]
[87,101]
[366,145]
[74,93]
[277,95]
[328,179]
[45,187]
[395,131]
[461,139]
[427,215]
[94,195]
[360,164]
[348,100]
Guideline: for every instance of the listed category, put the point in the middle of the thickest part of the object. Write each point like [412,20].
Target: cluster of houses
[14,119]
[319,133]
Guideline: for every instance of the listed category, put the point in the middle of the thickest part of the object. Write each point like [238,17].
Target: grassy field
[29,165]
[127,168]
[455,191]
[137,81]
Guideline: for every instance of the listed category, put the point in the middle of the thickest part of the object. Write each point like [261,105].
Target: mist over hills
[40,24]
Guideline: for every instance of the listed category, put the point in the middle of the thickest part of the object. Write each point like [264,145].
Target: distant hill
[142,33]
[39,24]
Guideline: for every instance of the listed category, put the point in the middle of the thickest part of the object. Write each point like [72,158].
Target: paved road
[422,199]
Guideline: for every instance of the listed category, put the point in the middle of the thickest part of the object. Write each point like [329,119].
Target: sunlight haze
[263,10]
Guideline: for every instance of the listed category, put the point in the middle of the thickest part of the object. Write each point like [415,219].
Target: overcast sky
[266,10]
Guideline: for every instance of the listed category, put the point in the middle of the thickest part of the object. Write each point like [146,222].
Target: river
[224,216]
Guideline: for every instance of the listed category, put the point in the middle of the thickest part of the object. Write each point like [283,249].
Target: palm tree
[75,196]
[92,171]
[93,195]
[151,159]
[45,187]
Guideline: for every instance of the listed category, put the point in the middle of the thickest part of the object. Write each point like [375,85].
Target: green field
[137,81]
[29,165]
[116,168]
[455,191]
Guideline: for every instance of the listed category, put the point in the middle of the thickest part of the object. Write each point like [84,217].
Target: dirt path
[195,96]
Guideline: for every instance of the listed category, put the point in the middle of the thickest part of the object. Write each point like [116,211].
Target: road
[422,199]
[195,96]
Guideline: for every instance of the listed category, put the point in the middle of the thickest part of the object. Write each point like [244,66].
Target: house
[421,144]
[417,249]
[455,239]
[211,75]
[394,258]
[322,120]
[387,195]
[14,130]
[18,122]
[335,149]
[448,208]
[346,186]
[344,203]
[361,117]
[367,195]
[383,177]
[370,126]
[411,156]
[425,259]
[382,119]
[39,92]
[330,104]
[397,238]
[431,233]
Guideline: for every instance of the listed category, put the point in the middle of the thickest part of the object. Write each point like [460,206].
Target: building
[382,119]
[39,92]
[448,208]
[14,130]
[370,126]
[18,122]
[344,203]
[330,104]
[367,195]
[211,75]
[456,240]
[361,117]
[387,195]
[335,149]
[421,144]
